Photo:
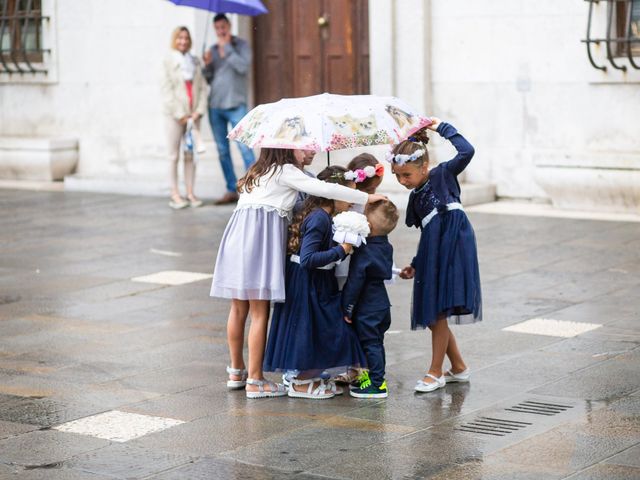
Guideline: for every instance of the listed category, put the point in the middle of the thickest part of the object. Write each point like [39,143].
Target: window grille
[21,49]
[622,38]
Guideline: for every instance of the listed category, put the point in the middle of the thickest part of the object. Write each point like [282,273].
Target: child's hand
[435,123]
[376,197]
[348,248]
[347,319]
[407,272]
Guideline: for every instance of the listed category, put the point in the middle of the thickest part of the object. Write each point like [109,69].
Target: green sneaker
[369,390]
[363,377]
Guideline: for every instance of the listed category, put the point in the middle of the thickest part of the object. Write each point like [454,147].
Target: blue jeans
[220,119]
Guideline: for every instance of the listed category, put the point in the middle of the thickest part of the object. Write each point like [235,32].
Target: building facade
[514,75]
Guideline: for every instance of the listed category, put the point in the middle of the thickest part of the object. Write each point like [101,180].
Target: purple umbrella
[242,7]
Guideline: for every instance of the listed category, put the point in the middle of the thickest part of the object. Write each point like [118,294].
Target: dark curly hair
[332,174]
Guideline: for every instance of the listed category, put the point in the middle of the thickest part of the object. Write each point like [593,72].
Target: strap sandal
[238,372]
[424,387]
[275,389]
[333,388]
[349,377]
[288,375]
[321,392]
[177,202]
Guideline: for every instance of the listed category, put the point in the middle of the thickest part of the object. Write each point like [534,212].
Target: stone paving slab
[78,338]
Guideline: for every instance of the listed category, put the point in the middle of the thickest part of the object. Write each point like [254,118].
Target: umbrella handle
[206,30]
[328,159]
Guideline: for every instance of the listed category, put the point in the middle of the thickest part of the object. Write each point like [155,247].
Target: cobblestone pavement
[102,376]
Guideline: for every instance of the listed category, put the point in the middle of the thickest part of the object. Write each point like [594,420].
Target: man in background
[226,68]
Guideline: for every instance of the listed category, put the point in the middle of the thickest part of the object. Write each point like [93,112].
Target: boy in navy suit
[364,297]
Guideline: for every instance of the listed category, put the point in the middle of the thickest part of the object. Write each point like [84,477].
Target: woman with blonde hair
[185,102]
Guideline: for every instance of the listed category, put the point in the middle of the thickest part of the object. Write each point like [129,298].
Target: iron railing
[628,40]
[15,25]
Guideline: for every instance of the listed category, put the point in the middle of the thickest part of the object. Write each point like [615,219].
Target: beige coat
[174,93]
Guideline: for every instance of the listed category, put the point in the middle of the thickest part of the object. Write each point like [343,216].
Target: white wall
[513,75]
[107,94]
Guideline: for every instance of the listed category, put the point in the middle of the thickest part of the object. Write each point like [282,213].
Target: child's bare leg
[235,334]
[259,312]
[439,344]
[455,357]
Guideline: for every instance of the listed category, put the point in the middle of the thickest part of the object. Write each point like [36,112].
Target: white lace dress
[251,258]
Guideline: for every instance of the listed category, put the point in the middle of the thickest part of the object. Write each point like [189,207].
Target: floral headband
[400,159]
[361,174]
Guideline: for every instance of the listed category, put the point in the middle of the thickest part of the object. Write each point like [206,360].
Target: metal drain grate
[498,427]
[539,408]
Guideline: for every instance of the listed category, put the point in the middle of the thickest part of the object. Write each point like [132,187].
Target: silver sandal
[335,389]
[275,389]
[237,384]
[321,392]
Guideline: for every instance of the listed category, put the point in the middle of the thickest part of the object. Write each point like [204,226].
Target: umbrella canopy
[242,7]
[328,122]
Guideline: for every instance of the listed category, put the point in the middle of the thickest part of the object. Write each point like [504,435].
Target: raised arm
[311,255]
[294,178]
[465,150]
[238,56]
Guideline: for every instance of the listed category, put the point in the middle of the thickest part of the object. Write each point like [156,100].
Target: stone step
[37,158]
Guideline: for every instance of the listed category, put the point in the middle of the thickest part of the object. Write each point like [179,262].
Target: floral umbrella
[328,122]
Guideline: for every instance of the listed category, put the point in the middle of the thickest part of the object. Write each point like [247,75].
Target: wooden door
[306,47]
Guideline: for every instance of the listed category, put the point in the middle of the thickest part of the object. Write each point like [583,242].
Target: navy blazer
[371,264]
[317,248]
[443,178]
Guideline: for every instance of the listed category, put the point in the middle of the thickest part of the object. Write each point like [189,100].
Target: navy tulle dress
[308,331]
[447,277]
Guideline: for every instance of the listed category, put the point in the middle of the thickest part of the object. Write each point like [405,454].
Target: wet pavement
[104,377]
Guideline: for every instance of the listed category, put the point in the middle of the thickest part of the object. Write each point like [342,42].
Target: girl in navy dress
[250,265]
[445,270]
[307,332]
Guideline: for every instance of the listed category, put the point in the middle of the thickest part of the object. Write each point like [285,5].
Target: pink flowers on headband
[361,174]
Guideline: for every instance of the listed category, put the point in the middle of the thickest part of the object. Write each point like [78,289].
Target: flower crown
[361,174]
[400,158]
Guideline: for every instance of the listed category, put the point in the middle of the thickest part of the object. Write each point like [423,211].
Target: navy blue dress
[307,331]
[447,277]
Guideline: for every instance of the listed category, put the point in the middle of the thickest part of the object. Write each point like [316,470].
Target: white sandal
[335,389]
[424,387]
[237,384]
[275,389]
[321,392]
[462,377]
